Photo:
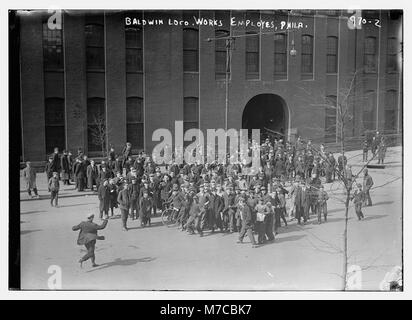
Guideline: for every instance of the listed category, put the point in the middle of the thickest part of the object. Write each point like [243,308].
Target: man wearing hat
[358,198]
[367,185]
[134,192]
[229,198]
[103,194]
[245,215]
[123,198]
[88,236]
[29,175]
[322,204]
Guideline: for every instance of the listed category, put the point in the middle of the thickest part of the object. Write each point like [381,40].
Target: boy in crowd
[54,186]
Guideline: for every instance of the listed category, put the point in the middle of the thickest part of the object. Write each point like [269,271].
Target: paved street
[160,258]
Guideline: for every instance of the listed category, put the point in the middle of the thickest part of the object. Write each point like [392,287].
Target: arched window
[94,46]
[221,59]
[332,55]
[330,119]
[370,54]
[307,55]
[252,55]
[190,50]
[135,122]
[281,50]
[54,115]
[96,124]
[134,49]
[391,108]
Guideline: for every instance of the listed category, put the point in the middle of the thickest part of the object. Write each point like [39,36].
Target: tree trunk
[345,242]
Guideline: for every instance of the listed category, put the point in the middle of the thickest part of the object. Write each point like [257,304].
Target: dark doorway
[267,113]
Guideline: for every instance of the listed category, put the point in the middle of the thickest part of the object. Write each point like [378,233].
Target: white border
[211,4]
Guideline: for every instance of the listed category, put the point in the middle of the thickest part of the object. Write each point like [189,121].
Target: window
[134,122]
[307,54]
[332,55]
[134,50]
[252,55]
[96,124]
[330,119]
[281,49]
[94,47]
[370,55]
[190,113]
[369,110]
[190,50]
[52,48]
[54,124]
[392,55]
[391,107]
[221,59]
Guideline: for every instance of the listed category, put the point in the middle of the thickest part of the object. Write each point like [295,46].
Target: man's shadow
[120,262]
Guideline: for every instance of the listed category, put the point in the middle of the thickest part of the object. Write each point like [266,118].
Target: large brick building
[142,77]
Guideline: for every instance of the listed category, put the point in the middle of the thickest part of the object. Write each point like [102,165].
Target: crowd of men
[219,197]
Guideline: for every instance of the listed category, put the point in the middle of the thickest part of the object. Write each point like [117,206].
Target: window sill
[96,70]
[135,72]
[191,72]
[54,70]
[331,73]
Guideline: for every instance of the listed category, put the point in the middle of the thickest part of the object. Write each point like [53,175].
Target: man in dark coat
[65,168]
[124,203]
[103,194]
[92,175]
[367,185]
[56,161]
[247,222]
[88,236]
[80,173]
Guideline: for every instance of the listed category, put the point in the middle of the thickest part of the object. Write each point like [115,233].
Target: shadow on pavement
[374,217]
[29,231]
[120,262]
[30,212]
[382,202]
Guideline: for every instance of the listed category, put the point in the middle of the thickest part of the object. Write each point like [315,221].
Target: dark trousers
[192,223]
[134,208]
[34,190]
[368,197]
[260,229]
[80,183]
[269,227]
[322,210]
[125,215]
[54,195]
[232,220]
[90,246]
[358,210]
[247,229]
[365,155]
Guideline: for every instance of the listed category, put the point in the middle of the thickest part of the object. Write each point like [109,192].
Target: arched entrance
[267,112]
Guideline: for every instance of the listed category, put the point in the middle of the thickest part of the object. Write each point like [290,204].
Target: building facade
[124,74]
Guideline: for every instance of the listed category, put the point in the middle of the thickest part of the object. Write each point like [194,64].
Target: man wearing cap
[48,169]
[123,199]
[134,192]
[65,168]
[358,198]
[88,236]
[229,210]
[92,175]
[103,194]
[367,185]
[145,205]
[29,175]
[245,215]
[322,206]
[54,186]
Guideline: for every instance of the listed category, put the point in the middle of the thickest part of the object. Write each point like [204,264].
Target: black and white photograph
[208,149]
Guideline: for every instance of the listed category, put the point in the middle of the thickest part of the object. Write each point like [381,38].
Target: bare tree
[99,132]
[346,98]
